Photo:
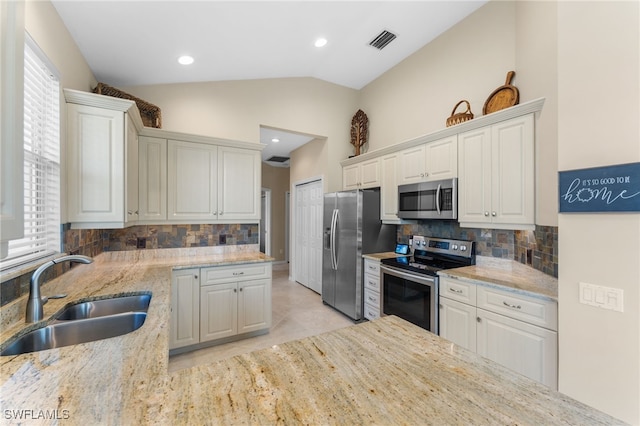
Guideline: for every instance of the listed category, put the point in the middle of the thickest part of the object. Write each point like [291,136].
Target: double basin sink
[84,322]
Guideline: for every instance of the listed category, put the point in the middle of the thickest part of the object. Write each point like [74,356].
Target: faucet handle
[45,299]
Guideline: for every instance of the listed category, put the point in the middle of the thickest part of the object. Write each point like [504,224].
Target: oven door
[411,296]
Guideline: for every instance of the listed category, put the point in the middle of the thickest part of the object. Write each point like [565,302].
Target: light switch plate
[601,296]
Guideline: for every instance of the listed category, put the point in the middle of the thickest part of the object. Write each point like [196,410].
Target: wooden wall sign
[600,189]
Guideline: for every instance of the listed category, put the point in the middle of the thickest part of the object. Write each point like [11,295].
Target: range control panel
[444,246]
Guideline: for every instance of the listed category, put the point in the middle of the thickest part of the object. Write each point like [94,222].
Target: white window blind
[41,162]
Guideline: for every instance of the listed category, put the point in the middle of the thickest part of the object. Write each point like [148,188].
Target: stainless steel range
[410,284]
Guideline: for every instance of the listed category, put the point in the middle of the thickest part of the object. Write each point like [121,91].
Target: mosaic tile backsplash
[538,249]
[92,242]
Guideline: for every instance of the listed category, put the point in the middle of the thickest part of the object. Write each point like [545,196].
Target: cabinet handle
[486,214]
[494,214]
[455,291]
[235,290]
[195,277]
[478,319]
[241,288]
[238,273]
[511,306]
[219,213]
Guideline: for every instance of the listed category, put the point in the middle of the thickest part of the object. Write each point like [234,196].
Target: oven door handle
[420,279]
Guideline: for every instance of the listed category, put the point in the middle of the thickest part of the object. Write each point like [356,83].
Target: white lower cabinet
[372,290]
[231,302]
[514,330]
[185,308]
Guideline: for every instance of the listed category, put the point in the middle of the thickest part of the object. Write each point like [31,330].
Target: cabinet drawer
[543,313]
[371,267]
[371,312]
[224,274]
[371,297]
[372,282]
[458,290]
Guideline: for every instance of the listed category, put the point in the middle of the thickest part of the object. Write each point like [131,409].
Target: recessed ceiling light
[320,42]
[185,60]
[275,140]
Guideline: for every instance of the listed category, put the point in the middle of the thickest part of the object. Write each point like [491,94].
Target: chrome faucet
[36,302]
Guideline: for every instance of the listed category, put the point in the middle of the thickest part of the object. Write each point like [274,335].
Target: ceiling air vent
[382,39]
[277,159]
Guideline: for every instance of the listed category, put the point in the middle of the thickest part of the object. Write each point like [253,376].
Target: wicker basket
[460,117]
[151,115]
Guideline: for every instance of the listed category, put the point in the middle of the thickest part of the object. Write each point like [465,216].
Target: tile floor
[297,312]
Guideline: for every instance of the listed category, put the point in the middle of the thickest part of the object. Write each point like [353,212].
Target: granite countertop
[386,371]
[384,255]
[507,275]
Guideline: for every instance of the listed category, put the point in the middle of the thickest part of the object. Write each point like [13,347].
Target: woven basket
[151,115]
[460,117]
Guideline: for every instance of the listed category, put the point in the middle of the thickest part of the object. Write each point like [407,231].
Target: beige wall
[237,109]
[44,25]
[599,124]
[277,180]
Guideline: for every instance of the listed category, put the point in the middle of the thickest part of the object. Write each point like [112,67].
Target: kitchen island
[386,371]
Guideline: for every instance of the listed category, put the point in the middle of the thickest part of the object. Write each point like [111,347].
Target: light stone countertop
[385,255]
[386,371]
[507,275]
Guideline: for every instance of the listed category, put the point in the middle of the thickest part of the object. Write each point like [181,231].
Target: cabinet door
[442,159]
[524,348]
[351,177]
[192,181]
[254,305]
[11,124]
[185,308]
[370,173]
[152,174]
[389,188]
[412,165]
[512,152]
[239,183]
[132,184]
[218,311]
[458,323]
[95,164]
[474,176]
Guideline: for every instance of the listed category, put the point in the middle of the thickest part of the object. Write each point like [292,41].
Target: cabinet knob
[486,214]
[195,277]
[478,319]
[235,290]
[219,213]
[494,214]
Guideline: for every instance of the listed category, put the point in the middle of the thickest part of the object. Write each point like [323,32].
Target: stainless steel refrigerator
[352,227]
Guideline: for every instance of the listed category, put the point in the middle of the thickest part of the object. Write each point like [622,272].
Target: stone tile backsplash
[92,242]
[538,249]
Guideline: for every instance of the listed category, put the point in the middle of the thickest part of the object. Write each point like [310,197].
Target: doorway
[265,222]
[308,204]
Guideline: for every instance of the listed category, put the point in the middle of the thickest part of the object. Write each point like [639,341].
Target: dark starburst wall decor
[359,130]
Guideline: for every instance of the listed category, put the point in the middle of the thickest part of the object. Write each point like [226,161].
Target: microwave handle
[438,200]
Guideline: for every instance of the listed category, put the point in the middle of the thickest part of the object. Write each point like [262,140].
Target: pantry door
[308,235]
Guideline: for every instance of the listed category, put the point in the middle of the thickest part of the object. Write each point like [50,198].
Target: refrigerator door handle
[438,200]
[334,224]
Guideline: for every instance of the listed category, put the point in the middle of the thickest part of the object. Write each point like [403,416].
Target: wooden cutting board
[503,97]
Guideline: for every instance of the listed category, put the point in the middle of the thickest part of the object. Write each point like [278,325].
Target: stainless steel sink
[74,332]
[104,307]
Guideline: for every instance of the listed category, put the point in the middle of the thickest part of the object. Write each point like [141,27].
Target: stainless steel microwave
[429,200]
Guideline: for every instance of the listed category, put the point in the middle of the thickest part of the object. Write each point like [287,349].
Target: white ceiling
[130,43]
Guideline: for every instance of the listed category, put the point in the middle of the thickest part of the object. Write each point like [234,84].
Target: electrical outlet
[222,239]
[141,243]
[602,297]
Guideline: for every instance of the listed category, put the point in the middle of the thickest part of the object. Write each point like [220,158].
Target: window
[41,161]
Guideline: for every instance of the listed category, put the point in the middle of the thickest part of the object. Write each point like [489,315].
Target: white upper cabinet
[152,177]
[192,188]
[11,123]
[102,153]
[239,184]
[212,183]
[432,161]
[496,175]
[389,188]
[361,175]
